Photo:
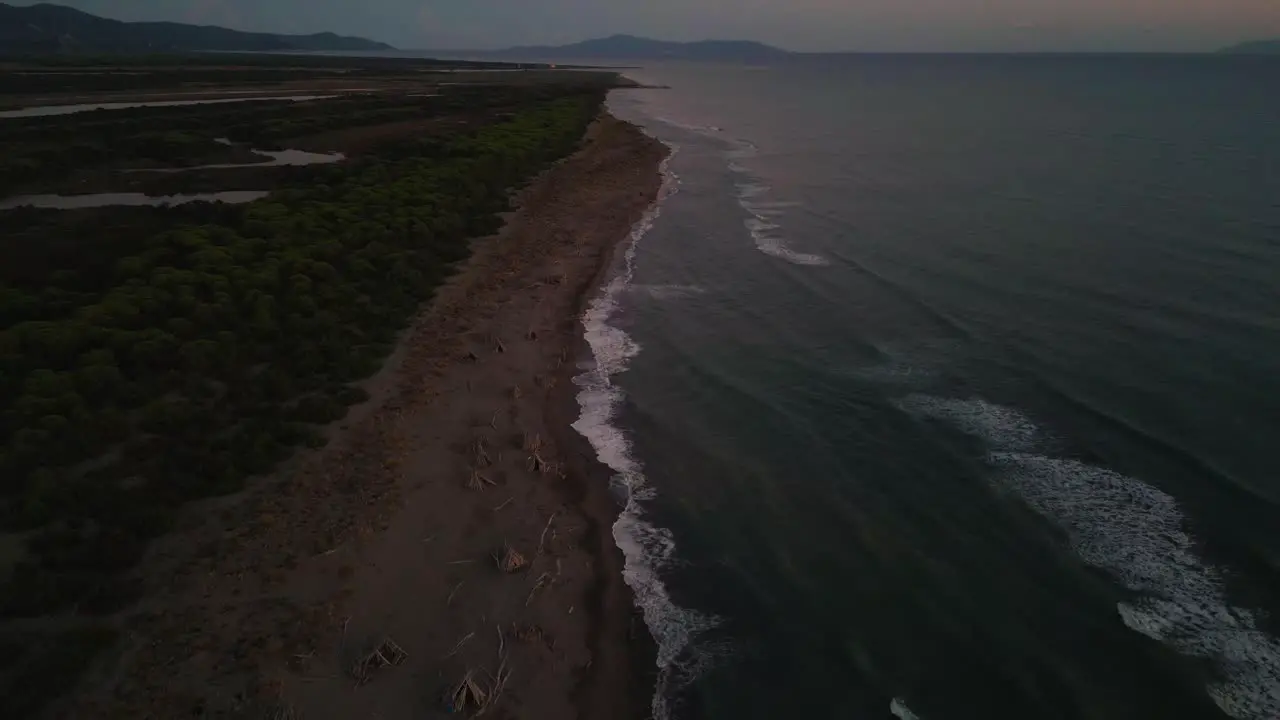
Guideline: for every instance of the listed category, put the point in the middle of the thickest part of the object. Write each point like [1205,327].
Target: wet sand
[275,600]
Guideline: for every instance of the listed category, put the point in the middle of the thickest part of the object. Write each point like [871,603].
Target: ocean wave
[666,292]
[900,710]
[770,244]
[1000,427]
[743,149]
[646,547]
[760,223]
[1136,533]
[700,129]
[893,372]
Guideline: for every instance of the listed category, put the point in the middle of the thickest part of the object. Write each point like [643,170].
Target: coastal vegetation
[153,356]
[44,152]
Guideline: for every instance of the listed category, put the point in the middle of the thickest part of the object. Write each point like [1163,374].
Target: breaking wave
[1136,533]
[646,547]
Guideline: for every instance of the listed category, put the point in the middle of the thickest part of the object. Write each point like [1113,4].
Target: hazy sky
[871,25]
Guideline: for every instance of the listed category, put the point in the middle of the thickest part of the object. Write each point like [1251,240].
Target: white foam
[770,244]
[900,710]
[1000,427]
[666,292]
[894,372]
[646,548]
[1136,533]
[742,150]
[774,205]
[700,129]
[764,232]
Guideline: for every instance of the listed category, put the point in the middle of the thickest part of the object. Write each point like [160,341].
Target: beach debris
[453,592]
[505,503]
[532,443]
[493,421]
[461,642]
[528,633]
[479,480]
[498,346]
[543,580]
[480,453]
[468,694]
[531,335]
[535,463]
[385,654]
[472,356]
[543,538]
[509,560]
[498,685]
[516,393]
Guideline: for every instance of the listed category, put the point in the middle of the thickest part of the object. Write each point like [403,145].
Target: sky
[806,25]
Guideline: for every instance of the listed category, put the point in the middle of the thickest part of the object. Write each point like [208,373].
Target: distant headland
[630,47]
[50,28]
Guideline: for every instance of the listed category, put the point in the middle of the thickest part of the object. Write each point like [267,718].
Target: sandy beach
[454,533]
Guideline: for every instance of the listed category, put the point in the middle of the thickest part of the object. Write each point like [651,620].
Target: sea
[948,387]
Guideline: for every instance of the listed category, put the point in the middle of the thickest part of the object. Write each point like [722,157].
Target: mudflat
[446,552]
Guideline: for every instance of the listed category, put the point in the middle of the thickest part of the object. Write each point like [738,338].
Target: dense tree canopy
[208,350]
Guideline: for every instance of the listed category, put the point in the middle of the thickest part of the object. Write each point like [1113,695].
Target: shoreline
[619,634]
[269,600]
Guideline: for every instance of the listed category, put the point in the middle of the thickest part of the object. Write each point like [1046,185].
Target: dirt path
[274,600]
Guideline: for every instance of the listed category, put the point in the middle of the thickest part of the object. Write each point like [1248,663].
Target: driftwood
[528,633]
[509,560]
[470,695]
[385,654]
[461,642]
[532,443]
[535,463]
[543,538]
[478,481]
[467,694]
[480,453]
[543,580]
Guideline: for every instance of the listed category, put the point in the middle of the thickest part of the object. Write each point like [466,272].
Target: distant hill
[629,47]
[1257,47]
[54,28]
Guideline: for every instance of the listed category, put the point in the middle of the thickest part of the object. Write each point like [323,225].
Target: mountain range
[54,28]
[1256,47]
[630,47]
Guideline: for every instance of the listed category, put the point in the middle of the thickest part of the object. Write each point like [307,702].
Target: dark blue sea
[949,388]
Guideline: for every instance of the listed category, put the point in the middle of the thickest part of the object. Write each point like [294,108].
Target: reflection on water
[74,202]
[47,110]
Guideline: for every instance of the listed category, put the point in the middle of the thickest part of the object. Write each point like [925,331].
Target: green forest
[207,352]
[39,152]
